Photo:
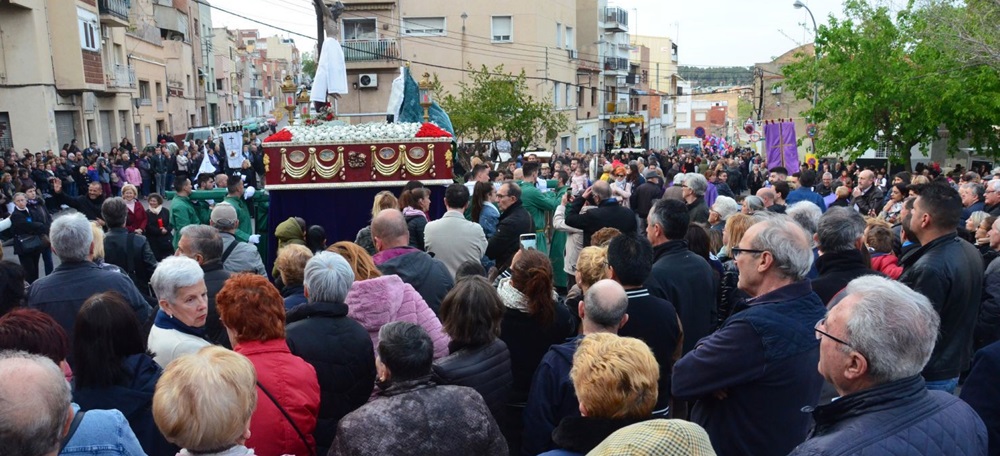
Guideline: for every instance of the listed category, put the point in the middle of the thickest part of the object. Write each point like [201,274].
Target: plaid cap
[657,438]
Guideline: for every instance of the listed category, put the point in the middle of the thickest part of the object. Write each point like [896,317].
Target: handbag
[28,244]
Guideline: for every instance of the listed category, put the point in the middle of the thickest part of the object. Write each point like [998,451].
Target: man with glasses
[873,346]
[992,197]
[514,221]
[752,377]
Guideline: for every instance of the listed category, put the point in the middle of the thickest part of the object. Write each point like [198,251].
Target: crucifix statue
[331,70]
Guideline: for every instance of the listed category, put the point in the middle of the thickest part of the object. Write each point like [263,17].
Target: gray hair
[35,403]
[605,304]
[679,178]
[205,240]
[839,230]
[115,212]
[978,189]
[406,349]
[725,206]
[894,327]
[788,244]
[827,174]
[994,185]
[602,189]
[756,204]
[807,214]
[71,237]
[328,277]
[172,273]
[697,183]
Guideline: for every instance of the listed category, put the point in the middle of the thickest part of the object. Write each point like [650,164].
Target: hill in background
[716,76]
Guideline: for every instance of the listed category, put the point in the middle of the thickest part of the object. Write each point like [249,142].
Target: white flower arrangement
[367,132]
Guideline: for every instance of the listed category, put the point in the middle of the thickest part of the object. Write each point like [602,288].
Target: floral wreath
[323,115]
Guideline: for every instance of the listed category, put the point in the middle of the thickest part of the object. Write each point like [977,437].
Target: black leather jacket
[143,260]
[949,271]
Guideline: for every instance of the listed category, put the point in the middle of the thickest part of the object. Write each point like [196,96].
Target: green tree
[879,83]
[495,104]
[969,30]
[309,65]
[744,109]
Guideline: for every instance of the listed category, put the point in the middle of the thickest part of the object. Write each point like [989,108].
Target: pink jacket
[375,302]
[133,176]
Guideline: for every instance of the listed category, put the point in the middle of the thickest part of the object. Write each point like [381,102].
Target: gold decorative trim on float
[416,161]
[290,159]
[331,170]
[395,183]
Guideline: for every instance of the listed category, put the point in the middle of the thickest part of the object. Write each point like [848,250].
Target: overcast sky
[708,32]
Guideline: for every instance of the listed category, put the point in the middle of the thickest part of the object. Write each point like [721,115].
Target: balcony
[370,50]
[615,64]
[615,19]
[145,102]
[120,76]
[114,13]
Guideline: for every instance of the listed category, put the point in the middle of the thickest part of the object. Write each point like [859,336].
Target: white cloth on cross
[331,72]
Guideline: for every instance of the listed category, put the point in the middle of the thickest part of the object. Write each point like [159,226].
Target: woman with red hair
[254,315]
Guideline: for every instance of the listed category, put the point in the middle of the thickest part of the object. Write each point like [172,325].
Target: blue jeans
[947,386]
[47,260]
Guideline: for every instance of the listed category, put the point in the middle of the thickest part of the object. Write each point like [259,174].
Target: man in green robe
[235,198]
[184,212]
[539,204]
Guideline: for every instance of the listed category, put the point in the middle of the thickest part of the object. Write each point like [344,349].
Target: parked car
[202,133]
[232,123]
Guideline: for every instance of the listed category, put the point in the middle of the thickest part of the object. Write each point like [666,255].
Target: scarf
[155,210]
[409,211]
[164,321]
[130,205]
[511,297]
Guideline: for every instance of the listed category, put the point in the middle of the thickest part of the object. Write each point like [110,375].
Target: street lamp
[425,86]
[799,5]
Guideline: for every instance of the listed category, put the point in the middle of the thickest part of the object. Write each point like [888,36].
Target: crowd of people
[668,304]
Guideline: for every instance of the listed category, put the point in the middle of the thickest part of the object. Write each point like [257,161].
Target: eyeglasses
[820,333]
[737,251]
[500,195]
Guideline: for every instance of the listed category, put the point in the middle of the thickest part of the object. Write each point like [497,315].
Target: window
[360,30]
[559,36]
[90,38]
[502,29]
[144,93]
[570,38]
[579,100]
[569,95]
[424,26]
[555,96]
[699,116]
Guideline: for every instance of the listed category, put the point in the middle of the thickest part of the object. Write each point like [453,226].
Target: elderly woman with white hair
[720,211]
[320,332]
[179,327]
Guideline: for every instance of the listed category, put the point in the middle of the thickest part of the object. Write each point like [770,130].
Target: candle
[289,101]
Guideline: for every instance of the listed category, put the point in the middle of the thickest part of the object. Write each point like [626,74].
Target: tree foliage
[309,65]
[498,105]
[879,82]
[970,30]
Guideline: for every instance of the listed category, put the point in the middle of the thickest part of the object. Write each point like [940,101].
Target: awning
[639,92]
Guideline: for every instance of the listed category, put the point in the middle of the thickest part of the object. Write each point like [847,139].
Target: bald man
[428,276]
[867,195]
[608,213]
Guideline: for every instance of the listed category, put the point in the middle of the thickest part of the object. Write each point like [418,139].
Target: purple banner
[781,147]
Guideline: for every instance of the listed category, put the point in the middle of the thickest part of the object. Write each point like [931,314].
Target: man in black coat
[320,332]
[609,213]
[128,251]
[514,221]
[839,238]
[949,271]
[646,195]
[89,205]
[679,275]
[203,244]
[693,192]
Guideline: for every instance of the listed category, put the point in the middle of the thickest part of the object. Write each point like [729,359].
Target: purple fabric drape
[781,147]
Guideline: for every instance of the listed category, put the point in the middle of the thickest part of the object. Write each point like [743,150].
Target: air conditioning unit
[368,81]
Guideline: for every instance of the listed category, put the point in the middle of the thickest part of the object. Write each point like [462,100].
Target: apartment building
[446,38]
[227,74]
[64,73]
